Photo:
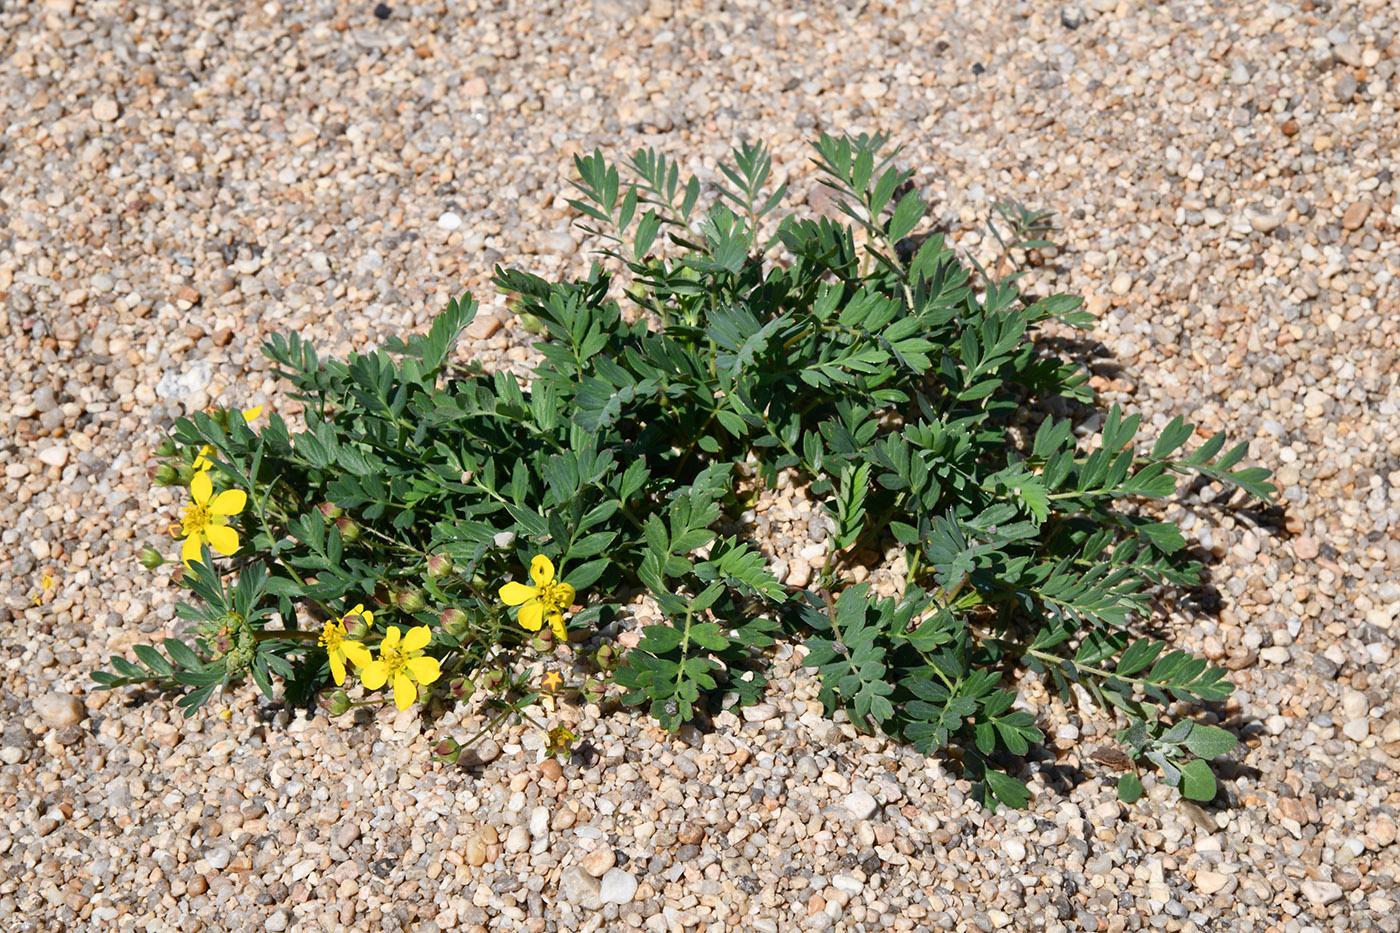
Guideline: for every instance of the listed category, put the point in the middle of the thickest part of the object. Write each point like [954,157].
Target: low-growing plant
[482,516]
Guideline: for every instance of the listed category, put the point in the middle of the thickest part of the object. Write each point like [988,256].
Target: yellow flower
[206,518]
[339,647]
[400,664]
[560,740]
[546,600]
[202,462]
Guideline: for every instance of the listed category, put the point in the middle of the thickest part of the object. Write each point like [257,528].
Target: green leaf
[658,639]
[182,654]
[1197,781]
[1209,741]
[1138,655]
[153,659]
[1003,788]
[1130,788]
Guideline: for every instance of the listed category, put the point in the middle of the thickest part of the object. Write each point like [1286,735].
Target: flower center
[554,597]
[332,634]
[197,518]
[393,659]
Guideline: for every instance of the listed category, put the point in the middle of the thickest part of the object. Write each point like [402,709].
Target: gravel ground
[179,179]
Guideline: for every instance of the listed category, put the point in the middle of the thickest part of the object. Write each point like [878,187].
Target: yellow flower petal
[201,488]
[229,502]
[404,691]
[358,610]
[513,594]
[223,539]
[189,551]
[542,570]
[417,639]
[368,617]
[424,670]
[556,623]
[337,666]
[391,640]
[250,413]
[374,674]
[531,616]
[565,594]
[357,653]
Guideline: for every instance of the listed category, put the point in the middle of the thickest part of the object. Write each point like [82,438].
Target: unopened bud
[439,566]
[330,510]
[151,558]
[455,622]
[593,690]
[461,688]
[606,657]
[542,641]
[166,475]
[340,703]
[531,324]
[356,627]
[167,448]
[409,601]
[349,531]
[448,750]
[492,680]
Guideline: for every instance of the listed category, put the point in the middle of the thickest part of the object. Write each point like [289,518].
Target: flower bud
[439,566]
[340,703]
[409,601]
[593,690]
[167,448]
[151,558]
[455,622]
[330,510]
[606,657]
[448,750]
[166,475]
[461,688]
[492,680]
[349,531]
[356,627]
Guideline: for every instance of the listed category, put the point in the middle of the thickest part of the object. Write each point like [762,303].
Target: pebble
[482,327]
[105,110]
[59,709]
[1321,893]
[449,220]
[860,805]
[1210,882]
[579,888]
[1265,220]
[1357,213]
[597,862]
[57,455]
[617,887]
[518,839]
[1305,548]
[760,712]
